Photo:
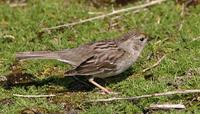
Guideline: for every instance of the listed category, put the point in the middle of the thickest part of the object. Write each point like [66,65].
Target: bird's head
[133,41]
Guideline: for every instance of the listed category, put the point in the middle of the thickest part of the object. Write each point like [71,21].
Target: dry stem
[17,5]
[148,96]
[166,106]
[154,65]
[33,96]
[106,15]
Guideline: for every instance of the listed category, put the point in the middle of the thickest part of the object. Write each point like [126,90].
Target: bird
[99,59]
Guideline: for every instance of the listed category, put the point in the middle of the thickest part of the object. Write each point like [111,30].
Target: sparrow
[100,59]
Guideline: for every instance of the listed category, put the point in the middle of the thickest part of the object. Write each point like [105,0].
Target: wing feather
[103,61]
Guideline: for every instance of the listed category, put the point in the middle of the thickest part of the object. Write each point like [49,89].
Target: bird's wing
[104,60]
[75,55]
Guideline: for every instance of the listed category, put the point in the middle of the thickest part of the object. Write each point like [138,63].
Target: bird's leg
[91,80]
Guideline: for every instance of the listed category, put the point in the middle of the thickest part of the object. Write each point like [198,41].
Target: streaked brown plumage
[100,59]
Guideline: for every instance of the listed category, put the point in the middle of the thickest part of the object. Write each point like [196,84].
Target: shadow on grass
[71,84]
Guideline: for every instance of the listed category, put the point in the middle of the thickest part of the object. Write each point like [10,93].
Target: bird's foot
[108,91]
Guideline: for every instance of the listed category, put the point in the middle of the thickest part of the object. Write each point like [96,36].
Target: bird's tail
[37,55]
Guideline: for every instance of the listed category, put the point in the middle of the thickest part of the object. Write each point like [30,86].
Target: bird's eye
[142,39]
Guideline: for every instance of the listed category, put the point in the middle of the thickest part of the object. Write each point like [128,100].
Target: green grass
[162,22]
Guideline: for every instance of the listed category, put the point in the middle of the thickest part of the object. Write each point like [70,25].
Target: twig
[17,5]
[166,106]
[33,96]
[161,41]
[9,37]
[156,64]
[147,96]
[3,79]
[106,15]
[197,38]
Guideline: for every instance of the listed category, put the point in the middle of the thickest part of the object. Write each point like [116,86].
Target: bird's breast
[122,65]
[125,64]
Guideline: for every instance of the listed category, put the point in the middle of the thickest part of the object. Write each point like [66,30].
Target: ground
[175,33]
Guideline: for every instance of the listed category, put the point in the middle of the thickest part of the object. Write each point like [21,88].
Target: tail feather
[63,56]
[37,55]
[73,56]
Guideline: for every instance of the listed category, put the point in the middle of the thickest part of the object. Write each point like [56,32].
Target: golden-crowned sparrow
[100,59]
